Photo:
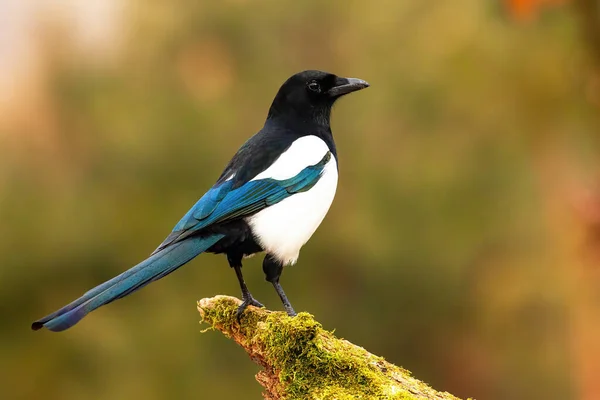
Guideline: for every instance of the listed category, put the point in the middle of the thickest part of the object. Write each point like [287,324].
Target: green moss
[310,362]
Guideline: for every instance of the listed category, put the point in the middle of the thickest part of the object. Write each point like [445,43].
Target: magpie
[270,198]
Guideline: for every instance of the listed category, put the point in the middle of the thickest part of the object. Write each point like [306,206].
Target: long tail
[153,268]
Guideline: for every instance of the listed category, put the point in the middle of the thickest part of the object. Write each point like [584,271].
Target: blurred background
[464,241]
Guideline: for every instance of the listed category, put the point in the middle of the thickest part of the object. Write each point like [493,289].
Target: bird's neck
[299,125]
[304,118]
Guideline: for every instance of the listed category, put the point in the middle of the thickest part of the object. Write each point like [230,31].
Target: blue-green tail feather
[153,268]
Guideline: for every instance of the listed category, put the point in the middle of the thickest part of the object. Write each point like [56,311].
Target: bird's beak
[347,85]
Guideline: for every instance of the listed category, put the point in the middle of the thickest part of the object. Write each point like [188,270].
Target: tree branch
[301,360]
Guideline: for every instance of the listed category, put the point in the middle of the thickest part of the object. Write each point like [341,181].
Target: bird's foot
[248,301]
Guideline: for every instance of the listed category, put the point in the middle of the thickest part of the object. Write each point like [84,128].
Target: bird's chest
[283,228]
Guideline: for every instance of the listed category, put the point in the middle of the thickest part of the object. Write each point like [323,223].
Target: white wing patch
[306,151]
[282,229]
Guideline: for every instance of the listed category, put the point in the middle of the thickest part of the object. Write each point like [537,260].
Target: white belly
[282,229]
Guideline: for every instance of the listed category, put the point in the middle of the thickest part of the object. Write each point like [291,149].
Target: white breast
[282,229]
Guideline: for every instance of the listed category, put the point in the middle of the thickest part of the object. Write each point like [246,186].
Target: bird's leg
[272,269]
[286,303]
[248,300]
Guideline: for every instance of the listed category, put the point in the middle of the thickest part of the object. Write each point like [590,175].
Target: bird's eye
[314,87]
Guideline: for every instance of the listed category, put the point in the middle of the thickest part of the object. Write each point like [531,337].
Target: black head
[309,96]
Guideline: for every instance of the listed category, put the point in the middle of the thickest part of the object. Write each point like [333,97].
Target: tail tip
[37,325]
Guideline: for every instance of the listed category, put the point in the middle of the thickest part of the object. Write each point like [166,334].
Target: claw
[250,301]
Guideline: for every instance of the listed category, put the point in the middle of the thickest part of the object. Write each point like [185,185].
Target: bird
[271,197]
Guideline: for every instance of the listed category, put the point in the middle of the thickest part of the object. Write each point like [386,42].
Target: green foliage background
[436,254]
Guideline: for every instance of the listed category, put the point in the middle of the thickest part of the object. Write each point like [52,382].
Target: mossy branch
[301,360]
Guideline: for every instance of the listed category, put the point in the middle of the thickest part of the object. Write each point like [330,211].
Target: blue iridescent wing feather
[224,203]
